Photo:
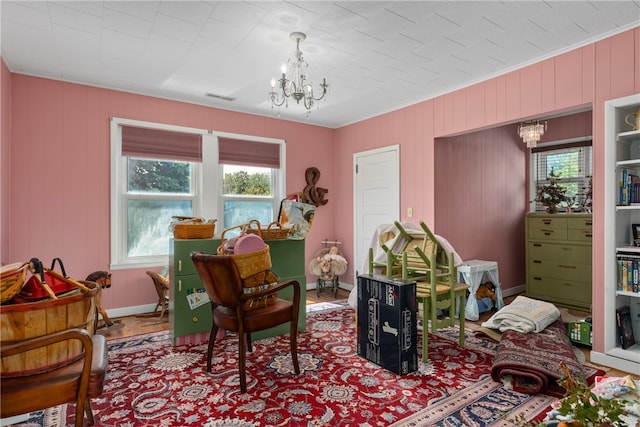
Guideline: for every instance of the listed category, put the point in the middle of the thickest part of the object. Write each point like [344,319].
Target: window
[250,183]
[572,162]
[161,171]
[248,193]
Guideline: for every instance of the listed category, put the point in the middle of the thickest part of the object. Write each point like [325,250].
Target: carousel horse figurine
[103,279]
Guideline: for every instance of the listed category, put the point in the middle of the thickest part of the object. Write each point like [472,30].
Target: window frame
[551,148]
[207,201]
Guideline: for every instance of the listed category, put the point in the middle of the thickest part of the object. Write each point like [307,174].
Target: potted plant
[553,194]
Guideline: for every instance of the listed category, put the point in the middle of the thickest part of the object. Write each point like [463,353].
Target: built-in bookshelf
[622,234]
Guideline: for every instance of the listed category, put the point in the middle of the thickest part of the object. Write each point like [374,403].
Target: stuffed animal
[486,289]
[333,255]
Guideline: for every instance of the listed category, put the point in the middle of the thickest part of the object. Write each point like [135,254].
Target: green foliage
[553,194]
[156,176]
[240,182]
[582,406]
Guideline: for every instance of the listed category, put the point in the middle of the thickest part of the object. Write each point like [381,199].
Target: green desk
[187,324]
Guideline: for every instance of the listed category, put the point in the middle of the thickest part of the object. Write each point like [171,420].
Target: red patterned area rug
[152,383]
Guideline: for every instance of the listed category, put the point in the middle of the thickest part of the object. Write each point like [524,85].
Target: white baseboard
[341,285]
[514,290]
[130,311]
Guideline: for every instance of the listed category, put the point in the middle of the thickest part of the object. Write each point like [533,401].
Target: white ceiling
[376,55]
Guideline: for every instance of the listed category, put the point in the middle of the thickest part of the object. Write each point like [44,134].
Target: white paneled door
[377,197]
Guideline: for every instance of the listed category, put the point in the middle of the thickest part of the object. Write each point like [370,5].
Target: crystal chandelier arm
[323,87]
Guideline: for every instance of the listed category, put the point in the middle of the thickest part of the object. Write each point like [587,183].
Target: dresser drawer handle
[179,285]
[547,221]
[589,223]
[588,235]
[537,278]
[537,245]
[537,261]
[571,267]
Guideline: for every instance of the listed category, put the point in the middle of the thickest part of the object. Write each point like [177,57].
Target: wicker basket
[193,228]
[12,277]
[20,322]
[274,231]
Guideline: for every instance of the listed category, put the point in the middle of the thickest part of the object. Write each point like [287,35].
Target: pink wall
[59,149]
[5,157]
[585,77]
[60,181]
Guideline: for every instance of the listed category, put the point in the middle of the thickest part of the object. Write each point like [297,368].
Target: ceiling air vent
[224,98]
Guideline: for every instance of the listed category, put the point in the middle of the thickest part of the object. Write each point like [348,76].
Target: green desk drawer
[559,269]
[557,251]
[192,321]
[547,233]
[567,292]
[580,222]
[548,222]
[182,253]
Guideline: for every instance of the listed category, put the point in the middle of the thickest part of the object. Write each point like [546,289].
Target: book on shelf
[625,327]
[628,272]
[629,189]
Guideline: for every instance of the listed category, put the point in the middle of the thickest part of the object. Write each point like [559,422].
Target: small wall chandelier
[295,82]
[531,132]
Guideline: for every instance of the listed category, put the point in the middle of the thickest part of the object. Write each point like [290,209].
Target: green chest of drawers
[559,258]
[288,262]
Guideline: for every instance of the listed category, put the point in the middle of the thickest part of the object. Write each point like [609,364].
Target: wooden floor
[136,325]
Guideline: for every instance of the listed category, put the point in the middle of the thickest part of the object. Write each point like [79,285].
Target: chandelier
[295,82]
[531,132]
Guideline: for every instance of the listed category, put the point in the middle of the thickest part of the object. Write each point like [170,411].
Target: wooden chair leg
[293,342]
[80,413]
[463,304]
[89,412]
[241,361]
[425,329]
[212,340]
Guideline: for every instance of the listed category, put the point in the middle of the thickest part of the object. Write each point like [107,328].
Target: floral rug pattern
[152,383]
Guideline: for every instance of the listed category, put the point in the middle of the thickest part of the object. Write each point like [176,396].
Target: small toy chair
[161,284]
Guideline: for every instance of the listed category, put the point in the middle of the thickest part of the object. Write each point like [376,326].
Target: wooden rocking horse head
[103,279]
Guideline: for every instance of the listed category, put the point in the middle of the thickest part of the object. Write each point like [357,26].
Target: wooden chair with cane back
[222,281]
[161,285]
[77,381]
